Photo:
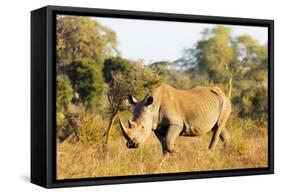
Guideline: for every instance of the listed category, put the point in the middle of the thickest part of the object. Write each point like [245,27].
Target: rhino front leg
[172,134]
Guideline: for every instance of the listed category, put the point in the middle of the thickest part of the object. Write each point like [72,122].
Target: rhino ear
[132,100]
[149,100]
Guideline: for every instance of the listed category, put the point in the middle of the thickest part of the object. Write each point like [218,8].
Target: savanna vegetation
[94,80]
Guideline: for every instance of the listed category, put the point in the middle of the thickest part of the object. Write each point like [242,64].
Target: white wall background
[15,94]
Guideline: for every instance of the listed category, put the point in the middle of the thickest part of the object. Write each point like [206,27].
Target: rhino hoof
[173,151]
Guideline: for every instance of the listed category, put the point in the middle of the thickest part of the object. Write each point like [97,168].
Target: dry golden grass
[248,148]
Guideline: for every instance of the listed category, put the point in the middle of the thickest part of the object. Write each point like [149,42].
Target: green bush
[116,64]
[86,80]
[64,93]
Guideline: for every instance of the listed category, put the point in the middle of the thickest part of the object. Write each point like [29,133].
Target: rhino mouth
[131,143]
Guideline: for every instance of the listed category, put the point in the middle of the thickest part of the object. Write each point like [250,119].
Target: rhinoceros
[170,112]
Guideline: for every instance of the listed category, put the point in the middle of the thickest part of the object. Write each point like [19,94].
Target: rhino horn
[131,124]
[124,130]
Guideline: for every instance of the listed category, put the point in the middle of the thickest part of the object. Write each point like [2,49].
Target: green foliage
[142,80]
[240,63]
[165,74]
[215,53]
[260,103]
[161,69]
[86,80]
[253,103]
[251,85]
[81,37]
[64,93]
[255,53]
[116,64]
[256,58]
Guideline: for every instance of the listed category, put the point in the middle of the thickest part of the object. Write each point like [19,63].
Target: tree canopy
[80,37]
[86,80]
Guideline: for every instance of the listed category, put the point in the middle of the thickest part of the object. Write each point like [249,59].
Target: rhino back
[198,108]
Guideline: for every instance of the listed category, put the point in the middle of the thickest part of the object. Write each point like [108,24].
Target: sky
[153,41]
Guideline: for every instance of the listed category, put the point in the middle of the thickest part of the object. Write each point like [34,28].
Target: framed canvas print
[125,96]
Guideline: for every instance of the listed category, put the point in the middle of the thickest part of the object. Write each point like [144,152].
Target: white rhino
[170,112]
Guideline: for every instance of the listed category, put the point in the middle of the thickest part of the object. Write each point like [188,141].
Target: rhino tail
[225,109]
[225,106]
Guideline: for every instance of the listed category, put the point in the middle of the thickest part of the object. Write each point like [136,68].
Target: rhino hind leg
[220,132]
[215,137]
[172,133]
[224,136]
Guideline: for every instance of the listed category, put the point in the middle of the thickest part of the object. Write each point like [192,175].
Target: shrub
[90,129]
[64,93]
[86,80]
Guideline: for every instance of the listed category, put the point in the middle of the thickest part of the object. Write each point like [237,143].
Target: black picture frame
[43,95]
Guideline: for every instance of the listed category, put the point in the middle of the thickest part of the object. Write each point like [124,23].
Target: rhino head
[140,127]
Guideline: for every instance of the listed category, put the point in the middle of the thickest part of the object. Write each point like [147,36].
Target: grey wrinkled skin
[170,112]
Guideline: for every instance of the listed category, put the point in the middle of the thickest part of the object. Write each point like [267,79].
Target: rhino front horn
[124,130]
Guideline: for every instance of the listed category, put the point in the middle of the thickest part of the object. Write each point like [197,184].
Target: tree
[213,56]
[86,80]
[216,53]
[116,64]
[252,89]
[161,69]
[169,73]
[83,38]
[217,56]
